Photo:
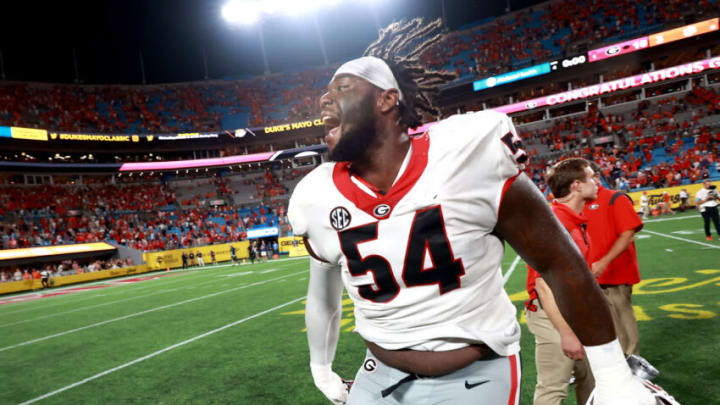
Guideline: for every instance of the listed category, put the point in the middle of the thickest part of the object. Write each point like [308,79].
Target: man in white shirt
[707,202]
[644,205]
[683,200]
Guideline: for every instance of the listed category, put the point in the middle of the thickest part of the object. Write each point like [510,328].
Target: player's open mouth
[332,125]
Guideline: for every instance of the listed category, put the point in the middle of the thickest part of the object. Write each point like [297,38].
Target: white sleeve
[513,157]
[323,311]
[296,215]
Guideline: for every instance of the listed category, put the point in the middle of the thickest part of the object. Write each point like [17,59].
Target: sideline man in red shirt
[612,225]
[558,352]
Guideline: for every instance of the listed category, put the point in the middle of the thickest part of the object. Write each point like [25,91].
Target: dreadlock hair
[417,83]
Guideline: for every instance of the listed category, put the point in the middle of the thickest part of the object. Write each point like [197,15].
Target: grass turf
[234,334]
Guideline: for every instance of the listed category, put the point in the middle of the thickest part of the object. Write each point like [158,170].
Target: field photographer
[707,202]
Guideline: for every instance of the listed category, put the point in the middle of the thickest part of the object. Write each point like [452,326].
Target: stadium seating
[658,141]
[145,215]
[668,141]
[507,43]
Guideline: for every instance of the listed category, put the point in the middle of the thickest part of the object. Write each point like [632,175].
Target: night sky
[37,38]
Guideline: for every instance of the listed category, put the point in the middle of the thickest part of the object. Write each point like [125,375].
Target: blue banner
[510,77]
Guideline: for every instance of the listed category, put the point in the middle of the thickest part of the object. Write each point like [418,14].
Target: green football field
[229,334]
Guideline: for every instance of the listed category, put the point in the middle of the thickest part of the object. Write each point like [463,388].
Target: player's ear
[388,100]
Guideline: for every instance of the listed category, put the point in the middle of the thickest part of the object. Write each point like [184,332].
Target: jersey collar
[380,206]
[568,214]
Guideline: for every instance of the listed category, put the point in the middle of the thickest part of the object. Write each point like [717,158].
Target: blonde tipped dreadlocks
[417,83]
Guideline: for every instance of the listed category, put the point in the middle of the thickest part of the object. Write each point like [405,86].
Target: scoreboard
[650,41]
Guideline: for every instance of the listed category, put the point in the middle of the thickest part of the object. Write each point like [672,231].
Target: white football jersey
[421,263]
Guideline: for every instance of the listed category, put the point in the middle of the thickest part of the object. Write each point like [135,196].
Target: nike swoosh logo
[471,386]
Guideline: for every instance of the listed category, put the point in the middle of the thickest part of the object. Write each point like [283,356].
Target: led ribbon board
[187,164]
[613,86]
[602,88]
[510,77]
[661,38]
[44,251]
[30,134]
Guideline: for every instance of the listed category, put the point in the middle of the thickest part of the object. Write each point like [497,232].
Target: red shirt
[605,223]
[574,224]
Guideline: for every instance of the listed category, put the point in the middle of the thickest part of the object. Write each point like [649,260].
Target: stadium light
[242,12]
[251,11]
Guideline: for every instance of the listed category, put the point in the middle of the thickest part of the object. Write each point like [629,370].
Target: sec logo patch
[339,218]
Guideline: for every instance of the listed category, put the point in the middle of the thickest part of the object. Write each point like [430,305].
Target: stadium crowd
[523,37]
[651,148]
[142,216]
[646,147]
[689,149]
[64,268]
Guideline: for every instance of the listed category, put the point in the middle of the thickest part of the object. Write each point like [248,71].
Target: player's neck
[383,161]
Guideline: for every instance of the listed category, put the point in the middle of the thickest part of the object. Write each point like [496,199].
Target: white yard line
[67,332]
[682,239]
[138,286]
[161,351]
[512,268]
[85,308]
[270,270]
[648,221]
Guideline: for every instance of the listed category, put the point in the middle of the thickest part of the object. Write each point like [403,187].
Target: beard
[358,132]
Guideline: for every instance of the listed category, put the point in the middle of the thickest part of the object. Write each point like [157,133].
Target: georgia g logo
[612,50]
[381,210]
[339,218]
[370,365]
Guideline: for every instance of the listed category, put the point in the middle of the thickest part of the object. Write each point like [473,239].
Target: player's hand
[329,383]
[571,346]
[598,268]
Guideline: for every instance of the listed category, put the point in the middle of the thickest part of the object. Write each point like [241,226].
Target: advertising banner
[262,232]
[94,137]
[173,258]
[656,196]
[294,245]
[293,126]
[26,285]
[30,134]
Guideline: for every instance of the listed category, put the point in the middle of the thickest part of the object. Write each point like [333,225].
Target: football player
[414,229]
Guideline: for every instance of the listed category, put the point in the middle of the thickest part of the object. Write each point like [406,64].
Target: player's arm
[323,310]
[526,222]
[621,244]
[571,346]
